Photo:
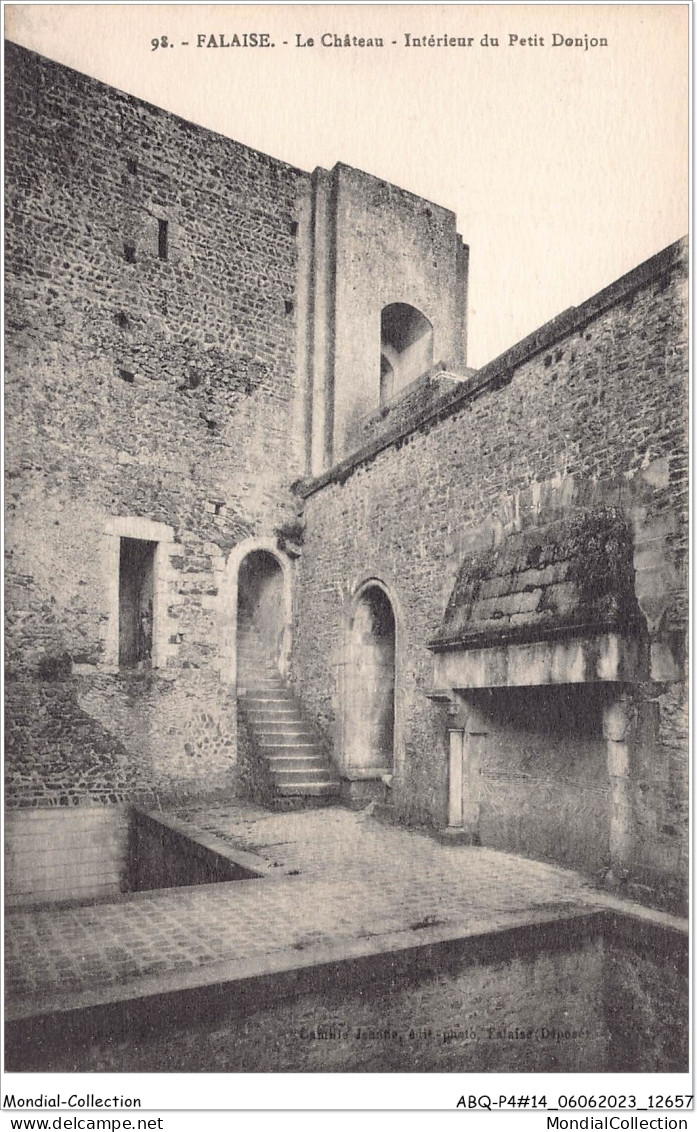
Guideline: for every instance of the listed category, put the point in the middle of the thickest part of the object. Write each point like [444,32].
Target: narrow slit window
[136,595]
[129,253]
[163,239]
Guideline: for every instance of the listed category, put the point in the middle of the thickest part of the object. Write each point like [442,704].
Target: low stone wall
[86,853]
[598,993]
[164,854]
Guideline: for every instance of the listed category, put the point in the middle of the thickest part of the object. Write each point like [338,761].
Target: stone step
[266,703]
[301,778]
[281,739]
[257,719]
[247,688]
[270,709]
[297,765]
[309,789]
[293,730]
[266,732]
[254,693]
[264,735]
[274,721]
[282,744]
[291,776]
[274,711]
[297,744]
[299,762]
[270,690]
[254,697]
[264,721]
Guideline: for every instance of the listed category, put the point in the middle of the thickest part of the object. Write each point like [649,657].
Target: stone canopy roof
[575,575]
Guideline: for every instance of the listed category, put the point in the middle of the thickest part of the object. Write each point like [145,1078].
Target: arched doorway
[370,717]
[261,621]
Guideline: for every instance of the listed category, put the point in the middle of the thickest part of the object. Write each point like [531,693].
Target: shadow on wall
[370,700]
[260,603]
[542,774]
[406,347]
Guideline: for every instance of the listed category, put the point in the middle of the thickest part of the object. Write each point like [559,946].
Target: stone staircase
[296,766]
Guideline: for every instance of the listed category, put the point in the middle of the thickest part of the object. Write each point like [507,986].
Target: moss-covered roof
[573,575]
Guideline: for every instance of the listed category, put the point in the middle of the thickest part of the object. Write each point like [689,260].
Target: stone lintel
[603,657]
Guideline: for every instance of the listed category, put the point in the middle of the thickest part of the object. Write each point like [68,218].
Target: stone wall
[548,999]
[544,789]
[391,247]
[366,245]
[588,412]
[143,381]
[404,409]
[191,325]
[162,854]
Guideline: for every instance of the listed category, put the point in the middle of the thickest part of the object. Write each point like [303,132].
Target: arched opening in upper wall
[406,347]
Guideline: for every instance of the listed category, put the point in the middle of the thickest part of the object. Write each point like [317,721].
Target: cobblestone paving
[336,876]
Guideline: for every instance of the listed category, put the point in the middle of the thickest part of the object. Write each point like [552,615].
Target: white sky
[565,167]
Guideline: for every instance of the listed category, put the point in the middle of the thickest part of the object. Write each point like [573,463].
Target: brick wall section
[201,435]
[591,410]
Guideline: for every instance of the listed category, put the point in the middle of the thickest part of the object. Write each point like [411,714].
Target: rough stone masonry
[213,355]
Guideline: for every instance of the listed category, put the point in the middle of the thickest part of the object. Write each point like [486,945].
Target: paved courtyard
[336,881]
